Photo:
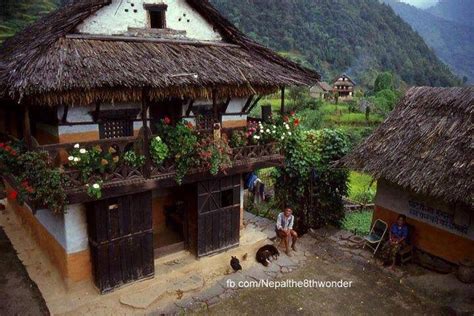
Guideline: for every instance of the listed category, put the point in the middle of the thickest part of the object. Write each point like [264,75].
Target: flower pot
[465,272]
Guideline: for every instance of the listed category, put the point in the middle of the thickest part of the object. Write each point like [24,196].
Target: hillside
[359,37]
[452,42]
[459,11]
[15,15]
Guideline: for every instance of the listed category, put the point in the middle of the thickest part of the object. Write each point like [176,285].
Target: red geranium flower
[12,195]
[292,113]
[8,148]
[13,152]
[296,122]
[2,145]
[167,120]
[189,125]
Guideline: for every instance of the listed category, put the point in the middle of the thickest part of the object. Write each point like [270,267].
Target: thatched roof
[426,145]
[48,64]
[338,82]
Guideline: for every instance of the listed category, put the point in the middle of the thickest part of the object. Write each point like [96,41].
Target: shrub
[358,222]
[158,150]
[215,154]
[309,183]
[133,159]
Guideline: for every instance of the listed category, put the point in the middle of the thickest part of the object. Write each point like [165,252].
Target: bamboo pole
[146,135]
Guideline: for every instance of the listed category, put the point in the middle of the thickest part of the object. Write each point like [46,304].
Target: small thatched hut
[102,74]
[344,86]
[423,158]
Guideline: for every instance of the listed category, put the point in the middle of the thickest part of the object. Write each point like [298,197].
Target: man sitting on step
[284,229]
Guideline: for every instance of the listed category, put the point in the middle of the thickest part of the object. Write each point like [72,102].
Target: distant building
[422,158]
[320,90]
[345,86]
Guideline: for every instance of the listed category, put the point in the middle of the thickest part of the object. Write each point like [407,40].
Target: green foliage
[358,222]
[95,190]
[309,183]
[90,161]
[158,150]
[361,188]
[238,139]
[182,142]
[133,159]
[359,37]
[38,181]
[311,119]
[215,154]
[384,81]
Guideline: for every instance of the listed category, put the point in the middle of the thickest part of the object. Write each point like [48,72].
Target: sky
[421,3]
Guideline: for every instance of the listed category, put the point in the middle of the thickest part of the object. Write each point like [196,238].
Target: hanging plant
[215,154]
[134,160]
[95,190]
[158,150]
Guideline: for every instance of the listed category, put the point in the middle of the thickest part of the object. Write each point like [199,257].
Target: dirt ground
[375,290]
[18,294]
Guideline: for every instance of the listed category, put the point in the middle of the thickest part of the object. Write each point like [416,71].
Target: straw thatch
[48,64]
[426,145]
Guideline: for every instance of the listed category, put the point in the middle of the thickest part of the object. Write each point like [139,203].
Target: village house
[102,74]
[320,90]
[422,157]
[344,86]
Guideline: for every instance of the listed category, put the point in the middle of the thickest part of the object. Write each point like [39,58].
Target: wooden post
[214,106]
[282,110]
[146,135]
[27,127]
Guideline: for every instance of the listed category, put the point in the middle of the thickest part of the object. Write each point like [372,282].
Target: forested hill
[358,37]
[459,11]
[452,41]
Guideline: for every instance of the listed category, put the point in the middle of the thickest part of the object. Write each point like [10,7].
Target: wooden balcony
[120,178]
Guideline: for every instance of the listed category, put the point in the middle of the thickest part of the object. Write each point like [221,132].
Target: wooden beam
[190,108]
[214,105]
[282,109]
[254,104]
[248,103]
[64,117]
[27,127]
[146,131]
[226,105]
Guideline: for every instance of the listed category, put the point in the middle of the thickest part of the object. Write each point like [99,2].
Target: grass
[358,222]
[362,188]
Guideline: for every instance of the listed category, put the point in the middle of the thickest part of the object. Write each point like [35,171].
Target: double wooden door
[218,215]
[121,240]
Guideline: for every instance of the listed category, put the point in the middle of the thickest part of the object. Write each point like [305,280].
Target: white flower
[289,133]
[256,137]
[158,138]
[82,151]
[77,159]
[96,186]
[283,137]
[70,158]
[268,130]
[273,132]
[274,127]
[287,126]
[76,146]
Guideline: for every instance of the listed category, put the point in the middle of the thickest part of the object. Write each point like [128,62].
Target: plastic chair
[376,236]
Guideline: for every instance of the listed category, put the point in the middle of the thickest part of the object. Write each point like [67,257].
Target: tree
[384,81]
[309,183]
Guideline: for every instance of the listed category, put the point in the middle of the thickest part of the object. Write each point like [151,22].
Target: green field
[358,222]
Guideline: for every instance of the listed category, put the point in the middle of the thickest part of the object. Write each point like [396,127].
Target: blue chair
[376,236]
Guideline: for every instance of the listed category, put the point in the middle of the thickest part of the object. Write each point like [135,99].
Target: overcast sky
[421,3]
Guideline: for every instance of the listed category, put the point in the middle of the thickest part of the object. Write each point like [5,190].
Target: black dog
[265,253]
[235,264]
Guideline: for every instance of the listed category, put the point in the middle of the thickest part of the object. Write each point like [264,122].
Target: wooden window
[115,129]
[157,14]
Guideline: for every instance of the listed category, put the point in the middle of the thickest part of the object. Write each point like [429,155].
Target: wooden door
[218,215]
[121,240]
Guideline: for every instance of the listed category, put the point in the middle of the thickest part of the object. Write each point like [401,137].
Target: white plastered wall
[69,229]
[116,18]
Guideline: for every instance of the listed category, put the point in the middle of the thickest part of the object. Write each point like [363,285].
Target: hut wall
[63,238]
[119,16]
[80,133]
[439,229]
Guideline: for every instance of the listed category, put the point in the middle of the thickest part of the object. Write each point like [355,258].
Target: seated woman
[398,237]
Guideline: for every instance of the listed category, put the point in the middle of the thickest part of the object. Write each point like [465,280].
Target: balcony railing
[120,173]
